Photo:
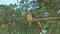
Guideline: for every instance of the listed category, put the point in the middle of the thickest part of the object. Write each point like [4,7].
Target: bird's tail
[29,23]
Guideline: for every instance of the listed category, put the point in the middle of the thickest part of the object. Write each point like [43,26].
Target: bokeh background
[13,9]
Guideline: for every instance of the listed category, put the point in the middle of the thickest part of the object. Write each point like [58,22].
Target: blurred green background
[39,9]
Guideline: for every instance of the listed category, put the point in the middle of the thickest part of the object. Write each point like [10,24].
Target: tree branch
[25,20]
[52,18]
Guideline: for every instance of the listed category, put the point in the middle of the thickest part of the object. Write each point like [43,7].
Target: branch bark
[42,19]
[25,20]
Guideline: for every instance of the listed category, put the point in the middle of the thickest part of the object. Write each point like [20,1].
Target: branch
[25,20]
[42,19]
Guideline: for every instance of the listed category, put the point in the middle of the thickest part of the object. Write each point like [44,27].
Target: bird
[29,18]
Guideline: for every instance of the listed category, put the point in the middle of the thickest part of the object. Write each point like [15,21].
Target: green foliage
[46,8]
